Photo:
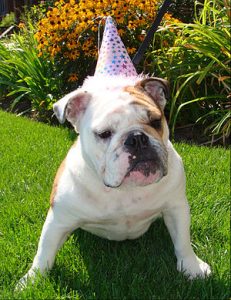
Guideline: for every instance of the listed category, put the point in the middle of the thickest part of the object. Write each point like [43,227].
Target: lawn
[88,267]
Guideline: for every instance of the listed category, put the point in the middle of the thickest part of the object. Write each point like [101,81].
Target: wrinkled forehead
[111,106]
[117,97]
[125,105]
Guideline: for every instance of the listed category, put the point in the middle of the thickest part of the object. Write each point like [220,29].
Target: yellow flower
[70,28]
[73,55]
[71,45]
[21,25]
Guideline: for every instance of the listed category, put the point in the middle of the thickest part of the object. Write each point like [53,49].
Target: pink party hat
[113,57]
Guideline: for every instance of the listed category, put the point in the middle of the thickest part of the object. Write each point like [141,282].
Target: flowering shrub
[69,32]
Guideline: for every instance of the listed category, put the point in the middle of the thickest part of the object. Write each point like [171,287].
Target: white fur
[83,201]
[112,83]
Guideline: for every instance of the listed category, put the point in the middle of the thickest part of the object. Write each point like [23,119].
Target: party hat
[113,58]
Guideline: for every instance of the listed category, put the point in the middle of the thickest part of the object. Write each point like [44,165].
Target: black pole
[139,54]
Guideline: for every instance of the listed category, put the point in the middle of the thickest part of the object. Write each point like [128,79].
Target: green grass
[88,267]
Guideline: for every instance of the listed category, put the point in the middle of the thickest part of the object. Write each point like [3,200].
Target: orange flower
[70,29]
[131,50]
[73,77]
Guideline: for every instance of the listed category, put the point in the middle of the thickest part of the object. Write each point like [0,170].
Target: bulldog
[121,173]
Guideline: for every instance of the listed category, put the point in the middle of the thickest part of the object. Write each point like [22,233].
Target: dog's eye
[105,134]
[156,124]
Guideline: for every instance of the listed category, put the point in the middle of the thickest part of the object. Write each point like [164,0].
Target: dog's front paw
[193,267]
[23,282]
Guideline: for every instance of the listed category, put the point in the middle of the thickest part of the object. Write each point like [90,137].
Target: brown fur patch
[154,112]
[142,99]
[139,94]
[56,182]
[157,134]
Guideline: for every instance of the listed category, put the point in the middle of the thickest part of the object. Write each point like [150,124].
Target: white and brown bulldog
[121,174]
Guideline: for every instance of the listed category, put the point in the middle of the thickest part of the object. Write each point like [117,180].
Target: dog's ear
[157,88]
[72,106]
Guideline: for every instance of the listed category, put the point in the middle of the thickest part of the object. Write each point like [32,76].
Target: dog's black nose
[137,140]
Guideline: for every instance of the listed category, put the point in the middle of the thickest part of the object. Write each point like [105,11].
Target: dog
[121,173]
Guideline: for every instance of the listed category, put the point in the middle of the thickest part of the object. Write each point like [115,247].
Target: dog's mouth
[146,167]
[144,172]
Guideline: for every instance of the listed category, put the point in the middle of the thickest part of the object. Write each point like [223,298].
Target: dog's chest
[121,219]
[126,227]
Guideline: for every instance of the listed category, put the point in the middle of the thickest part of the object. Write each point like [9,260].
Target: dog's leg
[54,233]
[177,220]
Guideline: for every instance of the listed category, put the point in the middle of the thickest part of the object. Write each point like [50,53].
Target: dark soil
[195,134]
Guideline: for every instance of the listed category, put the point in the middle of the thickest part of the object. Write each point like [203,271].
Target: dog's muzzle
[146,157]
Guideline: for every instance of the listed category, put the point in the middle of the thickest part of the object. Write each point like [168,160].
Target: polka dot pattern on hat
[113,57]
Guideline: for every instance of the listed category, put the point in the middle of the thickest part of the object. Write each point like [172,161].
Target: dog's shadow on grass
[110,268]
[144,268]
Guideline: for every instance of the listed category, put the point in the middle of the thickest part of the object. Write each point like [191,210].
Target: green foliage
[195,57]
[31,15]
[23,75]
[88,267]
[8,20]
